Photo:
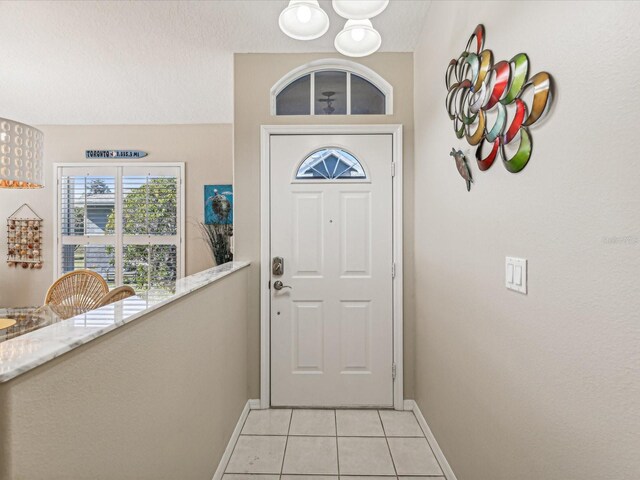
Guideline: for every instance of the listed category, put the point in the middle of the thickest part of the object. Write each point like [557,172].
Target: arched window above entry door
[331,164]
[332,87]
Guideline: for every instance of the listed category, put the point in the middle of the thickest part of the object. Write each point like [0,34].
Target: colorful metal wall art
[493,105]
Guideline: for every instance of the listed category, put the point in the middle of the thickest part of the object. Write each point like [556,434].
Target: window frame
[332,64]
[117,168]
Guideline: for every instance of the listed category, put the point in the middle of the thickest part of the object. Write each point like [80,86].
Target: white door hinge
[393,270]
[393,169]
[393,371]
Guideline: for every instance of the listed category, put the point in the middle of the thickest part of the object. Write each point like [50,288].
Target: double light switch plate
[516,274]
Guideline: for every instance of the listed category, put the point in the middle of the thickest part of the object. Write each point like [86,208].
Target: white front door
[332,320]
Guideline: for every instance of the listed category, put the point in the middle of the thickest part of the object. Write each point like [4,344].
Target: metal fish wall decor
[462,166]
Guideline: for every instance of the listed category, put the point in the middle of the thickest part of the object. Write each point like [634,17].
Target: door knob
[278,285]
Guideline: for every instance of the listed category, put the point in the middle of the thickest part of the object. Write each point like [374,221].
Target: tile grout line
[390,477]
[335,422]
[327,436]
[388,446]
[296,435]
[286,442]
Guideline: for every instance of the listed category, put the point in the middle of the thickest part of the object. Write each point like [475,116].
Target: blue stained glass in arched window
[330,164]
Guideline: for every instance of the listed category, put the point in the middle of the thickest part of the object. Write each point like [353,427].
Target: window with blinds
[123,221]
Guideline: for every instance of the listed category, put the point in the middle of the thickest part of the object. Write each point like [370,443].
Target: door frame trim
[395,130]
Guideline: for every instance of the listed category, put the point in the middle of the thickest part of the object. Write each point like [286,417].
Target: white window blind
[122,221]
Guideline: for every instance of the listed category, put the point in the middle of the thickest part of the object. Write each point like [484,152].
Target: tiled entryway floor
[283,444]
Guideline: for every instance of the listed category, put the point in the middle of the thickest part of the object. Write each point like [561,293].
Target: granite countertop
[27,351]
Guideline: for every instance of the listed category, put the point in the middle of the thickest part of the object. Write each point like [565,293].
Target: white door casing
[265,248]
[335,337]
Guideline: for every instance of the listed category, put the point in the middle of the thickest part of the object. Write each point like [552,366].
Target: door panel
[308,327]
[308,225]
[332,331]
[355,233]
[355,337]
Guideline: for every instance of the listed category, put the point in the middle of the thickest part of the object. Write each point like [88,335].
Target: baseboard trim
[254,404]
[412,406]
[226,456]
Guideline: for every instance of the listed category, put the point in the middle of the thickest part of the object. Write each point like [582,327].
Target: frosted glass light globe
[359,9]
[358,38]
[303,13]
[304,20]
[357,34]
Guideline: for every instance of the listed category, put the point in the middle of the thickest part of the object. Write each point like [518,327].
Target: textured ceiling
[145,62]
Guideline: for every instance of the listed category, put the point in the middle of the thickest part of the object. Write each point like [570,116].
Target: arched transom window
[331,164]
[332,87]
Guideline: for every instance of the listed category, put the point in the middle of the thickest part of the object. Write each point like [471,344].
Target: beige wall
[254,75]
[205,149]
[545,385]
[155,399]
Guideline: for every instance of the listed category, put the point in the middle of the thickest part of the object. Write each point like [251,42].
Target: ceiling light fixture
[304,20]
[359,9]
[21,148]
[358,39]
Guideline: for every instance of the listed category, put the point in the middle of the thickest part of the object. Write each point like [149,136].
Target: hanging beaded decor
[24,238]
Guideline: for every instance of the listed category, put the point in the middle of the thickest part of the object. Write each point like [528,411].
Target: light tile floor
[285,444]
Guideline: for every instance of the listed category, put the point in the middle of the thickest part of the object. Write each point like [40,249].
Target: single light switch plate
[516,274]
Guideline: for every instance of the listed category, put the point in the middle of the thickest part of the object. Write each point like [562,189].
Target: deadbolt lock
[277,266]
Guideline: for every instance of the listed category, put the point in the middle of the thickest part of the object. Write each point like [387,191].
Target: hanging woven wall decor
[24,238]
[495,103]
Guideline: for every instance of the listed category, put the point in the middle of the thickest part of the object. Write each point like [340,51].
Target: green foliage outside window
[150,209]
[98,186]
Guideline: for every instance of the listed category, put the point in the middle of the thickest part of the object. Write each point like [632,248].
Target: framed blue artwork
[218,204]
